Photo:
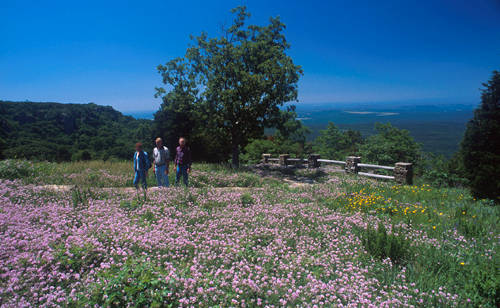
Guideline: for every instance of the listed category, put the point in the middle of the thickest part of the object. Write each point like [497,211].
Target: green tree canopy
[390,145]
[481,144]
[181,114]
[333,143]
[289,137]
[62,132]
[239,80]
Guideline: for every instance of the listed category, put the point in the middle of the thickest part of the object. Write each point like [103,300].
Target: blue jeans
[181,171]
[161,177]
[140,176]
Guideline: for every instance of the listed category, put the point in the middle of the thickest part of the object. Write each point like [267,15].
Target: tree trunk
[235,144]
[236,155]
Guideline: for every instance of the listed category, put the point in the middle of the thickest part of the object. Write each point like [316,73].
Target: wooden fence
[402,173]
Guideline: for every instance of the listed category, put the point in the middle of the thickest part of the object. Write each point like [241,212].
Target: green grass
[120,174]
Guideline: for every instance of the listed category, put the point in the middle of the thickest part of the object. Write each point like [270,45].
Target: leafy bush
[16,169]
[440,172]
[130,205]
[81,155]
[274,145]
[75,258]
[333,143]
[382,245]
[246,200]
[390,145]
[254,150]
[137,283]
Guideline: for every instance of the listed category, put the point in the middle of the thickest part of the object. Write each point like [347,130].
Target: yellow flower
[434,227]
[462,263]
[463,213]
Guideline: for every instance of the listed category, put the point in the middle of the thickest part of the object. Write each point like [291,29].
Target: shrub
[382,245]
[246,200]
[16,169]
[333,143]
[81,155]
[75,258]
[254,150]
[390,145]
[130,205]
[440,172]
[137,283]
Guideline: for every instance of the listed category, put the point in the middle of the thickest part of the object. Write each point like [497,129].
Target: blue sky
[351,51]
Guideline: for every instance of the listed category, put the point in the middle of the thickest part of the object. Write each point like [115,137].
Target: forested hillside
[63,132]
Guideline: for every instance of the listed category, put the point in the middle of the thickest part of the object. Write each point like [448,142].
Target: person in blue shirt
[141,167]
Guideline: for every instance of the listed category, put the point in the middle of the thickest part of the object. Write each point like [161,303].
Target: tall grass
[120,174]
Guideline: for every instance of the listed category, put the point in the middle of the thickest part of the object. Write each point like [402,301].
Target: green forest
[64,132]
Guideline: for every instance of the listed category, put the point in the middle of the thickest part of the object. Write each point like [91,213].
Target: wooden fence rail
[402,173]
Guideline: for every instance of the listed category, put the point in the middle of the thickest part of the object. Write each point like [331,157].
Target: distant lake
[148,115]
[439,128]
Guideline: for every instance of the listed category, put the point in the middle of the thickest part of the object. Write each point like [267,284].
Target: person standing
[182,162]
[141,167]
[161,158]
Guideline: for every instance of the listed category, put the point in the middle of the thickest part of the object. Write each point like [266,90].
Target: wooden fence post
[283,159]
[351,165]
[403,173]
[312,161]
[265,158]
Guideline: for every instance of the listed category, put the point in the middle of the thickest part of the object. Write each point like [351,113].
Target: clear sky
[351,51]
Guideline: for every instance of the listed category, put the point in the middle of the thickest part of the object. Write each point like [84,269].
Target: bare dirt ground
[68,188]
[294,176]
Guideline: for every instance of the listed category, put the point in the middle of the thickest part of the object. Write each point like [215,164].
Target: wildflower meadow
[239,239]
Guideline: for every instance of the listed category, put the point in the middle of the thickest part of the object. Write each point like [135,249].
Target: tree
[254,149]
[481,143]
[181,114]
[332,143]
[240,79]
[440,171]
[177,114]
[289,137]
[390,145]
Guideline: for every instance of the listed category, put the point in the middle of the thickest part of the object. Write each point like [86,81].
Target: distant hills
[438,127]
[62,132]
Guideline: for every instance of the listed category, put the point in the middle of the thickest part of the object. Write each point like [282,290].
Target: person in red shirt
[182,162]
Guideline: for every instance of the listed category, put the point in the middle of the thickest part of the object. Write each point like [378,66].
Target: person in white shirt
[161,158]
